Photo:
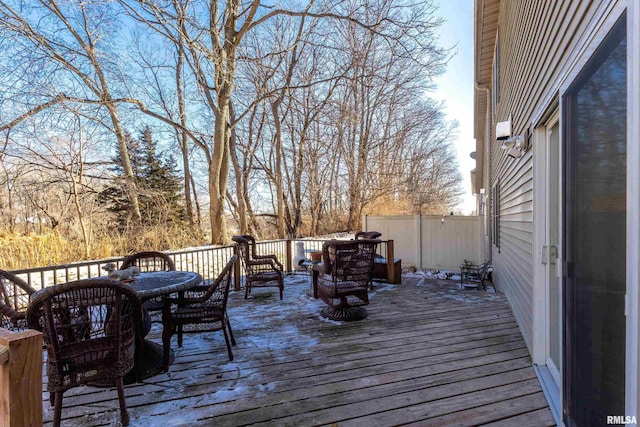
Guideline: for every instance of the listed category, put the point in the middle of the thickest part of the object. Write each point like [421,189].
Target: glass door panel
[595,236]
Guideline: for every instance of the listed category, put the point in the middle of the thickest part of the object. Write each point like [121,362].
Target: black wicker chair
[14,300]
[200,309]
[150,261]
[91,329]
[342,279]
[260,270]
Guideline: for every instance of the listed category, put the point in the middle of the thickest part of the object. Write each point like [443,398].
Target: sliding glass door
[594,240]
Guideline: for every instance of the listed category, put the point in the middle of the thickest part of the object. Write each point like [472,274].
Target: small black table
[150,285]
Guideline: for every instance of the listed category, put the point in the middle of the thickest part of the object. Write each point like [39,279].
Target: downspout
[487,161]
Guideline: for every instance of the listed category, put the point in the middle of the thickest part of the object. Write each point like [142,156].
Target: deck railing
[20,378]
[208,261]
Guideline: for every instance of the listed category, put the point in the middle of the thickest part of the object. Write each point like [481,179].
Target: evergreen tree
[114,196]
[158,182]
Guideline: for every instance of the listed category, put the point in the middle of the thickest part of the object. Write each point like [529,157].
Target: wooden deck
[428,355]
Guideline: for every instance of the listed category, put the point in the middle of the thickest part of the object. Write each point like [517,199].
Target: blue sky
[455,87]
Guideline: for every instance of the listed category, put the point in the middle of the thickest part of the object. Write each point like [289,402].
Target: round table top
[152,284]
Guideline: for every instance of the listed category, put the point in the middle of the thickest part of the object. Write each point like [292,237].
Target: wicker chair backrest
[91,328]
[349,260]
[149,261]
[244,246]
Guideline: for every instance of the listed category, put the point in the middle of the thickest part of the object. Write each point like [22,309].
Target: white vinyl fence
[431,241]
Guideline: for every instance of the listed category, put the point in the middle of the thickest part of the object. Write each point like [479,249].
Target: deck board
[427,354]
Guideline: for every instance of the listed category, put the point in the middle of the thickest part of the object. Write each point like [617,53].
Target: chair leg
[226,340]
[314,283]
[281,286]
[124,413]
[246,290]
[179,335]
[57,412]
[166,346]
[233,340]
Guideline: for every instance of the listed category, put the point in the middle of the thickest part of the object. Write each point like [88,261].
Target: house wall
[432,241]
[538,44]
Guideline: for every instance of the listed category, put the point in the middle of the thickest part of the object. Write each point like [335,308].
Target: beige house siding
[538,41]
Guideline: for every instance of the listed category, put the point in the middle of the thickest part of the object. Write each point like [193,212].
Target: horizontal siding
[537,45]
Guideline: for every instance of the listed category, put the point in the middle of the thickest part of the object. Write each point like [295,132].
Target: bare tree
[70,41]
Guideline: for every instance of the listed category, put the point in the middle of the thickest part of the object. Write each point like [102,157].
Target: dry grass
[20,251]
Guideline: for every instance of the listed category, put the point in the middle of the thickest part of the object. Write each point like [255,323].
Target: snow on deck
[429,353]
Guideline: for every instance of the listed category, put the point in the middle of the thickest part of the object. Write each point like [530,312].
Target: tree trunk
[181,134]
[240,185]
[218,174]
[278,170]
[132,191]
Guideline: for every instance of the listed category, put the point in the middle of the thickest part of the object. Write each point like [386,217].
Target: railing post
[390,270]
[288,255]
[20,378]
[418,231]
[236,269]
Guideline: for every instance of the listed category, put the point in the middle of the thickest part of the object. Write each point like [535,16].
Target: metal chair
[199,309]
[14,300]
[342,279]
[260,270]
[91,329]
[471,274]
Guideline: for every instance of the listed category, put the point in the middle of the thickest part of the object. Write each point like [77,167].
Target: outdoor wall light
[514,153]
[503,130]
[517,145]
[513,142]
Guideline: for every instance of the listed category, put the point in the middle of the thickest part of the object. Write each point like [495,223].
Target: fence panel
[432,241]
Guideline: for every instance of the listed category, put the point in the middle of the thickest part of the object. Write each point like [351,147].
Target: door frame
[610,13]
[633,210]
[551,384]
[632,299]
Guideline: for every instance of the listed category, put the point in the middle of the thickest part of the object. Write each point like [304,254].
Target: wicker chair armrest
[266,261]
[195,295]
[270,257]
[11,313]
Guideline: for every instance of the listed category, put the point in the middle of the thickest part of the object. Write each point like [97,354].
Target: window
[495,215]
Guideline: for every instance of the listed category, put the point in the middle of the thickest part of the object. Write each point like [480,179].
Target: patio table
[150,285]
